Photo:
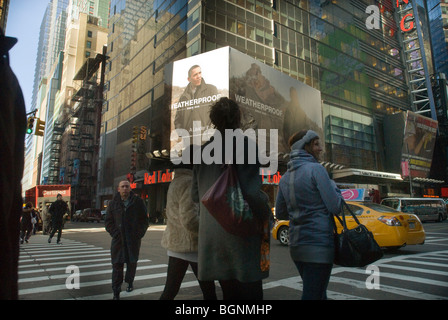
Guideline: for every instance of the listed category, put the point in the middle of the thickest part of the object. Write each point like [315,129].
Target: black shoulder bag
[355,247]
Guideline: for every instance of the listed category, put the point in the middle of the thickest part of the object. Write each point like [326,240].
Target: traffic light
[135,134]
[29,125]
[40,128]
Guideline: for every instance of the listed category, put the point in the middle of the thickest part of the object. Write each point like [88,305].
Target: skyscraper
[361,72]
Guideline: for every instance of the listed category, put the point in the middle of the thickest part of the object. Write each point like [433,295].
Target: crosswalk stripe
[296,284]
[397,276]
[91,255]
[81,267]
[426,263]
[88,284]
[63,262]
[85,274]
[401,267]
[390,289]
[65,252]
[55,249]
[135,292]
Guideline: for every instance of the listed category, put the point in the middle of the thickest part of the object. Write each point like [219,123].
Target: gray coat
[127,227]
[223,256]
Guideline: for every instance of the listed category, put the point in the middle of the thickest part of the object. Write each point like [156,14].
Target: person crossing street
[57,211]
[126,222]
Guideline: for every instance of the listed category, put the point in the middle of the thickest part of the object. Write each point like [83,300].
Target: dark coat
[223,256]
[57,211]
[185,116]
[127,227]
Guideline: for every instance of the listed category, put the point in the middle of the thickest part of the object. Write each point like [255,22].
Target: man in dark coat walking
[57,211]
[127,222]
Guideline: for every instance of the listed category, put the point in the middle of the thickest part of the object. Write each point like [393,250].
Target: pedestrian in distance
[309,199]
[238,263]
[127,222]
[181,234]
[46,219]
[26,222]
[57,211]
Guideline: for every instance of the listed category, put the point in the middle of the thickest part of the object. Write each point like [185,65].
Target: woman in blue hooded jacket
[308,198]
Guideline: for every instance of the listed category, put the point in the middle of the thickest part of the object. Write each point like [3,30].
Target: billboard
[197,83]
[268,98]
[409,142]
[418,144]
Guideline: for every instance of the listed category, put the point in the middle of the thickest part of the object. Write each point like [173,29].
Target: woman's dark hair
[29,205]
[225,114]
[296,137]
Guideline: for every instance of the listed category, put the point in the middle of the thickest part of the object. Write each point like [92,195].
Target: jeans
[315,278]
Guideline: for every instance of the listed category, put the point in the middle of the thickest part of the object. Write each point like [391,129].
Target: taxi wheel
[283,235]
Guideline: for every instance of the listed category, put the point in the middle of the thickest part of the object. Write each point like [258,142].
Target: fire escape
[83,144]
[54,175]
[415,59]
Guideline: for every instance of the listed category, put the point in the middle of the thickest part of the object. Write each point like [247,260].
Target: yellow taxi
[391,228]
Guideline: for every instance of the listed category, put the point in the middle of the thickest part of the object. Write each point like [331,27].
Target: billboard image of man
[195,101]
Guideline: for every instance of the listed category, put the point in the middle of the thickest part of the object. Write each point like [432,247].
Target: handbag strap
[343,220]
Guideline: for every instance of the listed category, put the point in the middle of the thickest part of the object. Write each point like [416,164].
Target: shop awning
[353,175]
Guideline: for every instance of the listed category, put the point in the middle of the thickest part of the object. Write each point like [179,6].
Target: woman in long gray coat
[238,263]
[127,222]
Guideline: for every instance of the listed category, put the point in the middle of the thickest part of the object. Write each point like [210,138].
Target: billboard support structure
[419,81]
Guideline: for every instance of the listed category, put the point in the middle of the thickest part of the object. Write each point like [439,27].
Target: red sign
[267,178]
[159,177]
[53,190]
[402,22]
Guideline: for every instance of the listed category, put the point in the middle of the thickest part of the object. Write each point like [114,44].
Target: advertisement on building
[268,98]
[409,142]
[418,144]
[197,83]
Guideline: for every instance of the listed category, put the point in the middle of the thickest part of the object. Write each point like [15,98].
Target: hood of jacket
[298,158]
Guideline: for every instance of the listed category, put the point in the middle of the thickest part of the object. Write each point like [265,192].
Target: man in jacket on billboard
[127,222]
[57,211]
[194,103]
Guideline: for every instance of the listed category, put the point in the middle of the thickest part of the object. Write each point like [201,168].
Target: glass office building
[324,44]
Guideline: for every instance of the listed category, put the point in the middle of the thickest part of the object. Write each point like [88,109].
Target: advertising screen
[268,98]
[418,144]
[197,83]
[271,99]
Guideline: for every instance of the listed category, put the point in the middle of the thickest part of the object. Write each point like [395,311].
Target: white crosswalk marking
[425,271]
[42,274]
[42,270]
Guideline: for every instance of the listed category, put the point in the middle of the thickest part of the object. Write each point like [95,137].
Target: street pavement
[80,269]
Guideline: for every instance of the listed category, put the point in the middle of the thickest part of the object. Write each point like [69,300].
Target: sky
[24,19]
